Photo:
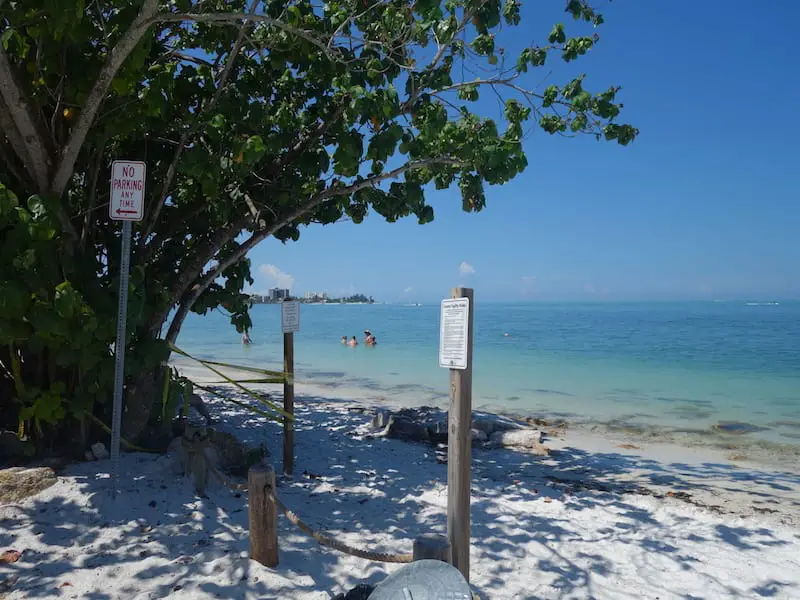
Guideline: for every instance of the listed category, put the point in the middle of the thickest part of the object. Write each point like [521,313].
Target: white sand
[533,537]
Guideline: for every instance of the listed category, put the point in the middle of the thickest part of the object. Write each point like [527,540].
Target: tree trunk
[142,394]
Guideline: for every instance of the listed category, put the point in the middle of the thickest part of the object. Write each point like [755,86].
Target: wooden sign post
[455,353]
[290,322]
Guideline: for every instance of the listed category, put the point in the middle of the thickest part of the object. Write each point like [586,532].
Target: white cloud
[465,268]
[408,290]
[528,278]
[281,279]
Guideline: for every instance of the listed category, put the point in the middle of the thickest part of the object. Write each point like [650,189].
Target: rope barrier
[234,487]
[199,446]
[336,545]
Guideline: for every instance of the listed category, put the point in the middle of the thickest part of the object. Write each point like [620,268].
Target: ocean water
[682,367]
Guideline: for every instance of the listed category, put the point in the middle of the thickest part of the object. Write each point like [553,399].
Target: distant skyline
[704,205]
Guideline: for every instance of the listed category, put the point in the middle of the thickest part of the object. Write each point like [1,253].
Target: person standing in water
[353,342]
[344,340]
[369,339]
[246,338]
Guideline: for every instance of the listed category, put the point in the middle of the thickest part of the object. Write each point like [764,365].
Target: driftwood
[429,425]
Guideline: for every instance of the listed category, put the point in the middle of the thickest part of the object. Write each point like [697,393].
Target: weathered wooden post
[455,353]
[431,545]
[263,515]
[290,322]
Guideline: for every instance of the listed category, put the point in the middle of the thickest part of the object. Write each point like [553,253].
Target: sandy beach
[598,518]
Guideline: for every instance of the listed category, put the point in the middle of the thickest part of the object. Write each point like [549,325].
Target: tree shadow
[574,525]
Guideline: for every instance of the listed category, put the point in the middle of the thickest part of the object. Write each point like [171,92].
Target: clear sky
[705,204]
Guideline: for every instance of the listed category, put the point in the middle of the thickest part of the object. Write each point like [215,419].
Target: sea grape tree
[255,119]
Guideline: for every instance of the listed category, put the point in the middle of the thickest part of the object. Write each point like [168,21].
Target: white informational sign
[290,316]
[454,333]
[127,190]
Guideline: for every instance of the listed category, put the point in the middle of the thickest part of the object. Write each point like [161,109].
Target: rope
[336,545]
[234,487]
[199,445]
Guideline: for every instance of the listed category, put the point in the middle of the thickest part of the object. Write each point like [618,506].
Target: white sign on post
[127,190]
[454,333]
[290,316]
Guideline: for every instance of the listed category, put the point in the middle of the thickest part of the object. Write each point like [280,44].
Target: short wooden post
[433,546]
[263,515]
[459,450]
[288,403]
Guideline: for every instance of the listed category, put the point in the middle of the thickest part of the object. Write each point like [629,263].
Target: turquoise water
[683,366]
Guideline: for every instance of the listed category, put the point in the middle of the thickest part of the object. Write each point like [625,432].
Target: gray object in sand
[424,580]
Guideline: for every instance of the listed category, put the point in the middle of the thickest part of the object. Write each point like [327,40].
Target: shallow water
[684,367]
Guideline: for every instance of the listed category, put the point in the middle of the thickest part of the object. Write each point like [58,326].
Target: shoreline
[708,477]
[655,440]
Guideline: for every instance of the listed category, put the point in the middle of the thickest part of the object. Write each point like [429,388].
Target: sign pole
[456,353]
[290,324]
[126,205]
[119,349]
[288,403]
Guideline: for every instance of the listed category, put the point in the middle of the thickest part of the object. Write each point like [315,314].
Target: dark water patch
[689,414]
[626,391]
[405,387]
[692,401]
[326,374]
[782,401]
[738,427]
[513,398]
[394,373]
[791,436]
[789,424]
[548,392]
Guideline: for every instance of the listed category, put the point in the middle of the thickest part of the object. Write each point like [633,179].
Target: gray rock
[519,438]
[17,483]
[429,425]
[235,457]
[99,451]
[480,436]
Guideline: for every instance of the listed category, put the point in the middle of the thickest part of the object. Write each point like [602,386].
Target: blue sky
[704,205]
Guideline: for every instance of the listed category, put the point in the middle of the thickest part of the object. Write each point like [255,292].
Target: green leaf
[557,35]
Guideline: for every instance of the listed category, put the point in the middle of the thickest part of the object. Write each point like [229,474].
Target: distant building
[316,296]
[277,294]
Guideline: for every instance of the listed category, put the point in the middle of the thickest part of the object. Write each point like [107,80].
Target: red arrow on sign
[127,212]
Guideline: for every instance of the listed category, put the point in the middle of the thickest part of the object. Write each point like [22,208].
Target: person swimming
[353,342]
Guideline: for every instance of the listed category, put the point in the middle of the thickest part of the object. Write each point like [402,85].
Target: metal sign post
[127,205]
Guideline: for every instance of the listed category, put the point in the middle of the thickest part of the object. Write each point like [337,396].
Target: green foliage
[310,114]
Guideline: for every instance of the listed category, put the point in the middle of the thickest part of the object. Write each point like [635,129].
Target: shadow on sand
[574,525]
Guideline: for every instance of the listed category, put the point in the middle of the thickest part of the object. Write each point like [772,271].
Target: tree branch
[88,112]
[191,295]
[155,211]
[218,17]
[21,128]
